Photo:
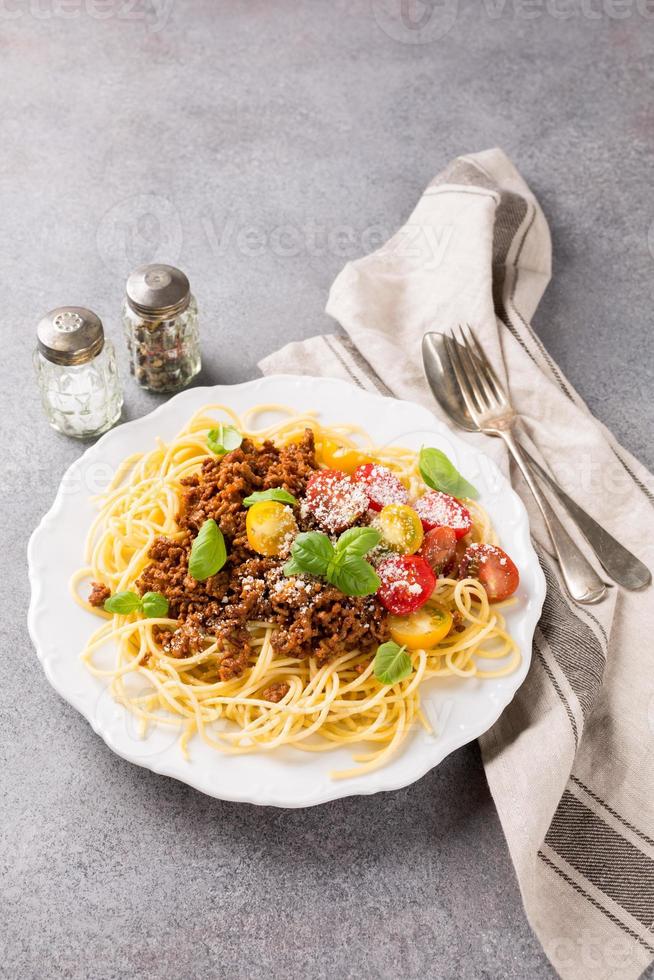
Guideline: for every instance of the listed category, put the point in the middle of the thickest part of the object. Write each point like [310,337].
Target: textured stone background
[261,144]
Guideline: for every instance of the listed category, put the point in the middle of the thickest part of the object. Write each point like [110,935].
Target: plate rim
[339,787]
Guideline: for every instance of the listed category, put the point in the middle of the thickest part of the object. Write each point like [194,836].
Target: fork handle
[625,568]
[581,580]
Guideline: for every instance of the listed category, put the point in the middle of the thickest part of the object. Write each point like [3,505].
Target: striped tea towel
[569,763]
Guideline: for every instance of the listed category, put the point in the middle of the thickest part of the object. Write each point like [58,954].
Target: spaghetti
[338,703]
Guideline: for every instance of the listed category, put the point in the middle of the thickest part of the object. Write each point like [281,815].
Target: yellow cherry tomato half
[270,527]
[336,456]
[423,629]
[401,528]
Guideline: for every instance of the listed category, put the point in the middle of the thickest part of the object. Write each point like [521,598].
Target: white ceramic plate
[460,710]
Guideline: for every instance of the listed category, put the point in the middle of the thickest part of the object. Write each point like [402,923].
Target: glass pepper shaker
[76,370]
[160,318]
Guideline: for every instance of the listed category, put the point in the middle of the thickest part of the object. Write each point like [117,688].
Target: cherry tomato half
[335,500]
[437,509]
[400,528]
[270,527]
[439,548]
[339,457]
[381,485]
[421,630]
[494,569]
[407,582]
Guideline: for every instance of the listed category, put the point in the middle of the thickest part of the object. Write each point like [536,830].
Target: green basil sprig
[392,663]
[311,552]
[440,474]
[223,439]
[342,564]
[208,552]
[154,605]
[358,541]
[275,493]
[353,575]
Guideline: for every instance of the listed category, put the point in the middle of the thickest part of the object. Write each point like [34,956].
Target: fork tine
[469,396]
[479,374]
[484,393]
[486,366]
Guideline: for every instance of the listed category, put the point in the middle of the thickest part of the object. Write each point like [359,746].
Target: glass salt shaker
[76,370]
[160,318]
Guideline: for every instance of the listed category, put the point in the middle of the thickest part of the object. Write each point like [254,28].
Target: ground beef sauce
[311,617]
[99,594]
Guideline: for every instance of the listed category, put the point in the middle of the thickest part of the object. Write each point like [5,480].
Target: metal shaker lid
[70,335]
[160,291]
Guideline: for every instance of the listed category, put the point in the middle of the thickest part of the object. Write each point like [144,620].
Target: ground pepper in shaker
[76,370]
[160,317]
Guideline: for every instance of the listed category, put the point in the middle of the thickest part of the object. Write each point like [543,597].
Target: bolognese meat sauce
[311,618]
[99,594]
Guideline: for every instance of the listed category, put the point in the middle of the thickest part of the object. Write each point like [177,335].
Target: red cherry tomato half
[381,485]
[494,569]
[335,500]
[407,582]
[438,548]
[436,509]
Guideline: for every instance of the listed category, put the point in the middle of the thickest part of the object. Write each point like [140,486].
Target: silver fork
[494,415]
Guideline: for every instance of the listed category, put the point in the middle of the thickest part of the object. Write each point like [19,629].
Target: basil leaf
[292,568]
[123,603]
[223,439]
[275,493]
[154,605]
[357,541]
[353,575]
[391,663]
[310,552]
[343,566]
[208,552]
[440,474]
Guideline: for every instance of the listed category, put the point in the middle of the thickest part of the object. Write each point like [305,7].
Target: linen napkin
[569,763]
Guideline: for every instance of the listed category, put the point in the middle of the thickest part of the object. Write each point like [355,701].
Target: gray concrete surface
[259,145]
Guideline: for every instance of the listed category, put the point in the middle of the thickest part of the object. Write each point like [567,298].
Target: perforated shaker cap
[70,335]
